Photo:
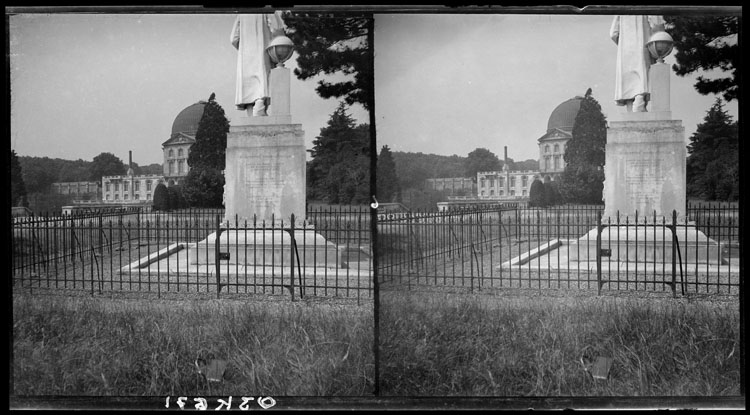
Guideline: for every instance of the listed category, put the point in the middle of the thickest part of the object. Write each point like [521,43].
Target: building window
[137,196]
[512,192]
[501,182]
[148,196]
[171,167]
[108,197]
[523,192]
[557,162]
[179,153]
[148,184]
[557,148]
[492,182]
[137,186]
[481,183]
[107,186]
[512,182]
[179,166]
[492,192]
[546,163]
[117,187]
[546,148]
[171,153]
[117,196]
[524,181]
[502,192]
[125,186]
[126,196]
[482,193]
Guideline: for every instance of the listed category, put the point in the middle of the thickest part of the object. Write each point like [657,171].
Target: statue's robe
[251,34]
[631,33]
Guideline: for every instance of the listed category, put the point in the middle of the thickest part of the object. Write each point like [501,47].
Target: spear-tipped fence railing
[563,247]
[325,254]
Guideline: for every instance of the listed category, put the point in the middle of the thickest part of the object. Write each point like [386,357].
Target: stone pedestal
[265,172]
[645,167]
[644,183]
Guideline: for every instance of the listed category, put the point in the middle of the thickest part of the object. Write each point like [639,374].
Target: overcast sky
[83,84]
[447,84]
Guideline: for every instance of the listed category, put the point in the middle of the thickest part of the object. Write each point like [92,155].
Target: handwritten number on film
[201,404]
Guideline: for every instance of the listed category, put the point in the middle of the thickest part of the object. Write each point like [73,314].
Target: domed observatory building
[552,144]
[177,148]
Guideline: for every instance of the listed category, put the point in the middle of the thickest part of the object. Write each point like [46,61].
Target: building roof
[179,138]
[556,134]
[564,115]
[188,119]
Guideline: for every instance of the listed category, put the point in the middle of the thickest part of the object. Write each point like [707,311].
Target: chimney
[130,163]
[505,160]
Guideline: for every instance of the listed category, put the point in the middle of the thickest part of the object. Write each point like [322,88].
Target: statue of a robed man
[251,35]
[631,33]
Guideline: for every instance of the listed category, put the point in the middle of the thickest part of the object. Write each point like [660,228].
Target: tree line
[39,173]
[32,177]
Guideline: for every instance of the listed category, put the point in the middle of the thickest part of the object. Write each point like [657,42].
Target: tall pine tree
[583,179]
[326,44]
[204,184]
[704,43]
[340,168]
[210,144]
[713,161]
[386,179]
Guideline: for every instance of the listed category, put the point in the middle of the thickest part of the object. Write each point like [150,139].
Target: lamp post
[660,45]
[280,50]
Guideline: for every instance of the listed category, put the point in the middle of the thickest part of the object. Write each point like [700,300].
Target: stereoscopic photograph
[354,207]
[191,210]
[565,216]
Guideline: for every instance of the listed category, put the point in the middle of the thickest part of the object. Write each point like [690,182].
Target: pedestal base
[645,166]
[649,244]
[265,172]
[266,248]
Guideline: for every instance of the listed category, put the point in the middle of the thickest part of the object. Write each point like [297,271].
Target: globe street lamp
[280,50]
[660,45]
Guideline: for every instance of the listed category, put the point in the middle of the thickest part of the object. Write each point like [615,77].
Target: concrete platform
[274,247]
[560,259]
[171,269]
[649,244]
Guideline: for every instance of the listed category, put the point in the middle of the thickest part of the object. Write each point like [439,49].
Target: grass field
[100,346]
[458,344]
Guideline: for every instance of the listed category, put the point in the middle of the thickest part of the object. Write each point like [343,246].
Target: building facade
[553,143]
[130,188]
[505,185]
[177,148]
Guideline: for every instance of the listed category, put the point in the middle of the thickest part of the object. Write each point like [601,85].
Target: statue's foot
[639,104]
[259,108]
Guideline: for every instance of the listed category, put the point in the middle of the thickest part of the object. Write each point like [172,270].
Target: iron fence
[563,247]
[195,251]
[330,252]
